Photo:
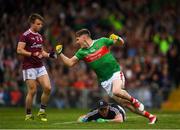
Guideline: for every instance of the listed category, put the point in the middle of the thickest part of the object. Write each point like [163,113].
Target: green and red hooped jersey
[99,58]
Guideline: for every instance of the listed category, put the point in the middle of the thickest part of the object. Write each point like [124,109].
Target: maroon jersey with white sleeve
[34,42]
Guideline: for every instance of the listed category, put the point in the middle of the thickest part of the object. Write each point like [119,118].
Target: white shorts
[34,73]
[107,85]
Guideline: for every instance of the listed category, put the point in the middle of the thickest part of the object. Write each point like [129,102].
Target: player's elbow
[118,120]
[122,41]
[18,50]
[70,64]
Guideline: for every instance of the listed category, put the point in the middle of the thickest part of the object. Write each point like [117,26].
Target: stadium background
[150,58]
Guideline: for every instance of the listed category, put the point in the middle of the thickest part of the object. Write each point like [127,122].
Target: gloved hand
[81,119]
[100,120]
[53,55]
[59,49]
[114,37]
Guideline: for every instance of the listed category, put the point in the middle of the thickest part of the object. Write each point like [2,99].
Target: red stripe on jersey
[97,54]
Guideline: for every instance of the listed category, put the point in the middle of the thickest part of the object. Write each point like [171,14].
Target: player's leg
[45,83]
[31,86]
[118,82]
[125,103]
[122,96]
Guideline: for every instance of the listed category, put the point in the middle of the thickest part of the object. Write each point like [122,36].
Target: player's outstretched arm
[117,39]
[69,61]
[82,118]
[118,118]
[52,54]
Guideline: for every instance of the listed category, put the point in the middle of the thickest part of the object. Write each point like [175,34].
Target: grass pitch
[13,118]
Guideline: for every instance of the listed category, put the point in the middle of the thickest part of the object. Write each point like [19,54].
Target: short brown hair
[35,16]
[83,31]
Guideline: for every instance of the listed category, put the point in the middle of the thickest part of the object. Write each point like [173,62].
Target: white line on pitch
[68,122]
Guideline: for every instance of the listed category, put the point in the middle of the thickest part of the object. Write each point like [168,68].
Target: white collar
[92,43]
[32,32]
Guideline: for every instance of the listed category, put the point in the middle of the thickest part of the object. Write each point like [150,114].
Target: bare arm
[45,54]
[20,49]
[69,61]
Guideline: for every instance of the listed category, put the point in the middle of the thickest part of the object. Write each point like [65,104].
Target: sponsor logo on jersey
[35,45]
[97,54]
[32,38]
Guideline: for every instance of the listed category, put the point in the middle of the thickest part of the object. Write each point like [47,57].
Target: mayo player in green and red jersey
[97,54]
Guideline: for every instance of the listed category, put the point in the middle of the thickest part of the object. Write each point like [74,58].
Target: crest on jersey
[92,50]
[97,46]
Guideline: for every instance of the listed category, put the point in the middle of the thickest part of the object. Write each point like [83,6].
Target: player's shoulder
[102,39]
[113,105]
[80,50]
[93,111]
[27,32]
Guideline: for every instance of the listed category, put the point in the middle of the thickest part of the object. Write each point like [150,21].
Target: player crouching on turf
[104,113]
[97,54]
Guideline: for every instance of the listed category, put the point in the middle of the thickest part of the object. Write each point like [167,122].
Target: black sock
[28,111]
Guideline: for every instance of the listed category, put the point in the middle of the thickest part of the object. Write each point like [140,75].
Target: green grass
[62,119]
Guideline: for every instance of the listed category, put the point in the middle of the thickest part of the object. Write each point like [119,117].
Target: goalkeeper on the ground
[104,112]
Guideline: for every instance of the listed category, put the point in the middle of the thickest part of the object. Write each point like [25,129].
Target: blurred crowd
[150,58]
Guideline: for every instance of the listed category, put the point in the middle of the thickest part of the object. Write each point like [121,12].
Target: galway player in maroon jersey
[30,45]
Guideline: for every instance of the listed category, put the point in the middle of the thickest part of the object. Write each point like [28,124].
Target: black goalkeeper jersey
[113,111]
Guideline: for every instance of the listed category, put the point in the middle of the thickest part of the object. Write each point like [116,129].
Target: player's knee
[118,93]
[47,89]
[32,92]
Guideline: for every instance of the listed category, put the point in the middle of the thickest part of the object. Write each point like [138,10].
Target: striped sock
[43,107]
[133,100]
[147,114]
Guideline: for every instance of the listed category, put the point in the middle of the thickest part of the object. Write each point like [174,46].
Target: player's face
[81,40]
[104,111]
[37,25]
